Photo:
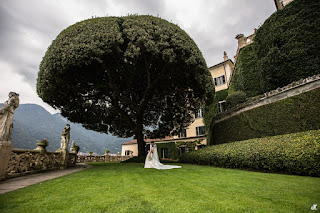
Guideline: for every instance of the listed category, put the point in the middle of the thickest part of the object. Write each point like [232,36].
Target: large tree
[120,75]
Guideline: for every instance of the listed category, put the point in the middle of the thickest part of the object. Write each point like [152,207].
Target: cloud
[28,28]
[13,82]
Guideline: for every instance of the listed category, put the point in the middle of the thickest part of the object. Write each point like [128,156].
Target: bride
[152,159]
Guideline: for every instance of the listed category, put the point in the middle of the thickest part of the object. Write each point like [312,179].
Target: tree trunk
[140,141]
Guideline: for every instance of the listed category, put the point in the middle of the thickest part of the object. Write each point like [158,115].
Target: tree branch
[131,123]
[148,92]
[116,90]
[118,98]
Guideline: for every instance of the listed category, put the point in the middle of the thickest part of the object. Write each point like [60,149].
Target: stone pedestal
[5,155]
[106,157]
[64,160]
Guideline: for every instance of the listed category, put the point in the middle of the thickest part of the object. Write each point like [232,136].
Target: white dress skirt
[152,161]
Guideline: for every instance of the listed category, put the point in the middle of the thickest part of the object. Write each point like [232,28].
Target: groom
[148,148]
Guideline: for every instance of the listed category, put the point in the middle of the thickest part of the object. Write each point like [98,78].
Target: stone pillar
[241,40]
[106,157]
[5,155]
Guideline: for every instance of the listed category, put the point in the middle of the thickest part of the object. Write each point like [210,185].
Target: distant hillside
[32,122]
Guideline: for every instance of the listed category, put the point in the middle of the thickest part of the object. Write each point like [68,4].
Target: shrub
[297,153]
[235,98]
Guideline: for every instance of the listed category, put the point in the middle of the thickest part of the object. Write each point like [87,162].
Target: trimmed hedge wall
[297,153]
[286,48]
[211,110]
[287,45]
[245,76]
[293,114]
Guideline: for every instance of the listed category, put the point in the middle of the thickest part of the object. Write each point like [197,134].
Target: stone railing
[295,88]
[24,161]
[101,158]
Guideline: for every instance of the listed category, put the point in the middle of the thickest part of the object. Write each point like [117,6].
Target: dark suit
[147,149]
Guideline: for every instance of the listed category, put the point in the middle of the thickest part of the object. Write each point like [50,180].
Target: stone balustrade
[24,161]
[295,88]
[101,158]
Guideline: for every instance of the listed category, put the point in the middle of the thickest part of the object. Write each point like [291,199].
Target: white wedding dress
[152,161]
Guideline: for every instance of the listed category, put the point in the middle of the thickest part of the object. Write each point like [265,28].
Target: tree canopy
[120,75]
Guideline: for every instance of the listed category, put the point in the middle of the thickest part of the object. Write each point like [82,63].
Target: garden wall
[24,161]
[290,109]
[101,158]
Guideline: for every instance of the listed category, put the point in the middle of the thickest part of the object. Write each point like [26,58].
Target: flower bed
[297,153]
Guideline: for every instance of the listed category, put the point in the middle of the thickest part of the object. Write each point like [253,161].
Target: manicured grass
[115,187]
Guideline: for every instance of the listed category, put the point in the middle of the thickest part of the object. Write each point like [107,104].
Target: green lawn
[115,187]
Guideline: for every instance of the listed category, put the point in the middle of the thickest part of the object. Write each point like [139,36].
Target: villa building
[281,3]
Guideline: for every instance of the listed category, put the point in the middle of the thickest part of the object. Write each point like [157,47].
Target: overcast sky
[27,28]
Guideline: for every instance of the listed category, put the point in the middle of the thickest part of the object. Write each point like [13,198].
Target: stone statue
[72,144]
[6,116]
[73,148]
[225,56]
[65,137]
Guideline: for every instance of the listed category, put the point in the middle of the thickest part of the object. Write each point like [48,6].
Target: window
[200,130]
[127,153]
[201,146]
[183,149]
[164,153]
[219,80]
[183,133]
[199,114]
[221,106]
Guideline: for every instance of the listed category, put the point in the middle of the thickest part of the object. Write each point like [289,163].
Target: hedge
[296,153]
[286,48]
[245,77]
[294,114]
[287,45]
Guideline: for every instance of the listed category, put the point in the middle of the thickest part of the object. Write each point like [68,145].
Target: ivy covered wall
[294,114]
[173,147]
[286,48]
[173,151]
[287,45]
[211,110]
[245,77]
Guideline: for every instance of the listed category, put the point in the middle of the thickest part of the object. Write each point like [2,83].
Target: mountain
[32,122]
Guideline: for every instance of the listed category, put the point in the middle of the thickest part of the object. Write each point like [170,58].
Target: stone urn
[41,146]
